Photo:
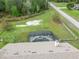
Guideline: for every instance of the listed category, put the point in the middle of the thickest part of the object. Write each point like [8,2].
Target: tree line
[67,1]
[23,7]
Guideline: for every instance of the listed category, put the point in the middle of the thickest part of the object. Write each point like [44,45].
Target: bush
[70,5]
[57,18]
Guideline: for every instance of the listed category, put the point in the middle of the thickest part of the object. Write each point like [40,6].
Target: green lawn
[63,4]
[75,43]
[21,34]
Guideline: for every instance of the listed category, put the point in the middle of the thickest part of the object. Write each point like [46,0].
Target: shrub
[57,18]
[70,5]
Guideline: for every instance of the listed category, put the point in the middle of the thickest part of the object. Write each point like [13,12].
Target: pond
[30,23]
[41,36]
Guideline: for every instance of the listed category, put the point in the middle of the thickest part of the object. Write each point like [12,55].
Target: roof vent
[33,52]
[51,51]
[16,53]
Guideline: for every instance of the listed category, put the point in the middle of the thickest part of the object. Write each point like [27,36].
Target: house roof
[39,50]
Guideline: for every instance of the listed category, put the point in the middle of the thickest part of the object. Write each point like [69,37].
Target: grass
[75,43]
[21,34]
[73,13]
[63,4]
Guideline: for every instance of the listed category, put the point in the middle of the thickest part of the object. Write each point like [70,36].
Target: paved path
[68,18]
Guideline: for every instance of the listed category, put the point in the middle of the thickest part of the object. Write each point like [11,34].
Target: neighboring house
[41,36]
[39,50]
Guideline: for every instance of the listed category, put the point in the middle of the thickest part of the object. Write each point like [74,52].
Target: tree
[1,5]
[14,11]
[23,7]
[6,5]
[77,1]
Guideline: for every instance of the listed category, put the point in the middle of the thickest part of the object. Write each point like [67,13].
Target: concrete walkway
[68,18]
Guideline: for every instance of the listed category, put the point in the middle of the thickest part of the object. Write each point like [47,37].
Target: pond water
[33,22]
[30,23]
